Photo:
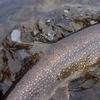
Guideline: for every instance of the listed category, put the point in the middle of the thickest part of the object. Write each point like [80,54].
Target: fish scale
[61,63]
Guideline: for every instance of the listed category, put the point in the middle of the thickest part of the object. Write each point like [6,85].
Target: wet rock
[16,35]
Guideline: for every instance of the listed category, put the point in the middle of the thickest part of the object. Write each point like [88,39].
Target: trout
[64,61]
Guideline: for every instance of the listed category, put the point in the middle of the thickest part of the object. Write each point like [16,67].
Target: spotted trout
[62,62]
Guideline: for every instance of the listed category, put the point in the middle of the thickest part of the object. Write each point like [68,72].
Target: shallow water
[24,15]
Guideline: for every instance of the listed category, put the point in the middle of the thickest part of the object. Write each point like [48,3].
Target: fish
[64,61]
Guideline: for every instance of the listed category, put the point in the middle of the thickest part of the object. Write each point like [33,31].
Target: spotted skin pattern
[64,61]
